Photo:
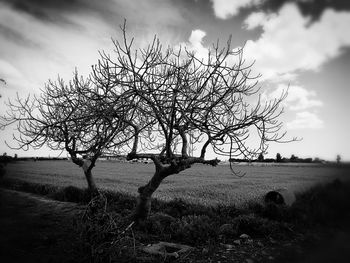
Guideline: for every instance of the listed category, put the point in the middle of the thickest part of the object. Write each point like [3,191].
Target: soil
[36,229]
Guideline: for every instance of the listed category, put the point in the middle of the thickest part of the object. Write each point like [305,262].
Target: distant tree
[293,158]
[188,102]
[72,117]
[4,159]
[260,157]
[338,158]
[16,156]
[278,158]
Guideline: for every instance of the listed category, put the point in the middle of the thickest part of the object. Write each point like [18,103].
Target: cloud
[54,11]
[195,43]
[227,8]
[305,120]
[312,8]
[40,51]
[298,97]
[254,20]
[290,44]
[7,69]
[14,35]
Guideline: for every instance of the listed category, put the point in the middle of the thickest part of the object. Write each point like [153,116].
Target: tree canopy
[70,117]
[167,104]
[189,102]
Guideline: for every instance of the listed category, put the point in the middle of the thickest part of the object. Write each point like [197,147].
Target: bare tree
[187,102]
[338,159]
[70,117]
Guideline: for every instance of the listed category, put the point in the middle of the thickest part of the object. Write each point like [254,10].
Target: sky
[300,44]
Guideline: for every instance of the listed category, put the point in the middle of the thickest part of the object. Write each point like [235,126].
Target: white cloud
[290,44]
[8,70]
[227,8]
[305,120]
[195,44]
[254,20]
[196,37]
[298,97]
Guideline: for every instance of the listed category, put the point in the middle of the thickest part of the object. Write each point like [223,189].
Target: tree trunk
[86,166]
[143,206]
[91,183]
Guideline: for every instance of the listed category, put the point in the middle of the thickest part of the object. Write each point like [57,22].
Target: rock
[249,260]
[280,197]
[162,218]
[228,246]
[237,242]
[227,230]
[167,249]
[244,236]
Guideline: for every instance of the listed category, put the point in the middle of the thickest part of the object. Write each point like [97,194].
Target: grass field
[201,184]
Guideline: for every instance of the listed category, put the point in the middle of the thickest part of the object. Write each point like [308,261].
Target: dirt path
[35,229]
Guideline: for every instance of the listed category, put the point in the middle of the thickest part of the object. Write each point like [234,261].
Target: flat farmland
[201,184]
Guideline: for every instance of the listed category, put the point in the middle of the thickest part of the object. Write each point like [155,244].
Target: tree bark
[144,201]
[87,168]
[143,206]
[91,183]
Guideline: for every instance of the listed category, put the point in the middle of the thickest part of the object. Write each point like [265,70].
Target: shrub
[276,212]
[224,213]
[120,202]
[103,234]
[159,224]
[194,229]
[72,194]
[323,204]
[257,226]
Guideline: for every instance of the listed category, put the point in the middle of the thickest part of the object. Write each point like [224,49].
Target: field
[201,184]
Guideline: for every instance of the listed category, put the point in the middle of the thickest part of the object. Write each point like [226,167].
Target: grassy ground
[200,185]
[319,218]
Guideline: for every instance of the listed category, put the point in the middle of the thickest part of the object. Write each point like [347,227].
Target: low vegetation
[107,234]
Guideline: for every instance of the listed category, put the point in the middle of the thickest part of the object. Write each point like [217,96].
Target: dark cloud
[54,10]
[47,11]
[17,37]
[199,14]
[312,8]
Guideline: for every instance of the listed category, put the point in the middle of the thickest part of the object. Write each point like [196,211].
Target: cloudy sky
[302,44]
